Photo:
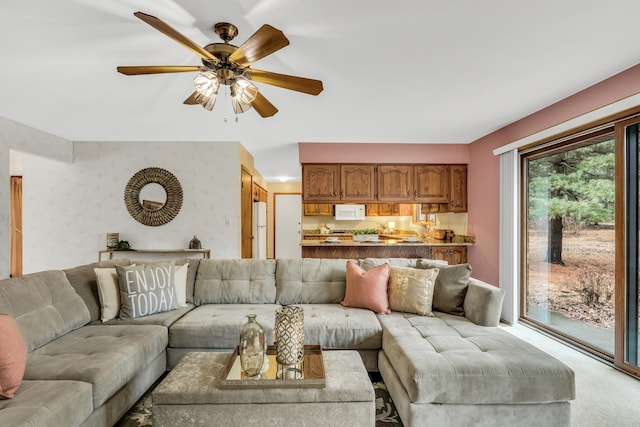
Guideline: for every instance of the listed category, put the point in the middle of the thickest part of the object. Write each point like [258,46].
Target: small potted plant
[365,234]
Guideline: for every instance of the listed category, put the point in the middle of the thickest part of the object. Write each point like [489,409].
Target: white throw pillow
[108,292]
[180,282]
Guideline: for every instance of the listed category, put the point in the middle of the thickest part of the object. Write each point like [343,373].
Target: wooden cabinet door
[431,183]
[451,254]
[395,183]
[321,182]
[358,183]
[458,174]
[318,209]
[372,209]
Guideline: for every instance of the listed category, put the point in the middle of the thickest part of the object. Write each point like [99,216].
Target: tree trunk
[554,243]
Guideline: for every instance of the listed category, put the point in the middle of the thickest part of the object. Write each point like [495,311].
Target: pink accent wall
[484,167]
[311,152]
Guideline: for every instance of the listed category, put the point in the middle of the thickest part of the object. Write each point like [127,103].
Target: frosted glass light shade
[206,83]
[244,90]
[207,102]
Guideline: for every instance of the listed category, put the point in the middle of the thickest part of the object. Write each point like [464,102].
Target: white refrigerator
[259,230]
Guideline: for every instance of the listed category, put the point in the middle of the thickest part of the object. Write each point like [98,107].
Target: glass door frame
[627,222]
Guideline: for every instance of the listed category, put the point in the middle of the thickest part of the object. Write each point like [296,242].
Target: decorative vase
[195,243]
[252,347]
[289,335]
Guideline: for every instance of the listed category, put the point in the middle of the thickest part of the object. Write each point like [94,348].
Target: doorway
[16,225]
[288,222]
[246,206]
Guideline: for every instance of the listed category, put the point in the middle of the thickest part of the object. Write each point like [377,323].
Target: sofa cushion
[146,289]
[310,280]
[48,403]
[83,280]
[217,326]
[448,359]
[108,292]
[367,289]
[411,290]
[451,288]
[165,318]
[107,357]
[44,305]
[13,357]
[236,281]
[336,327]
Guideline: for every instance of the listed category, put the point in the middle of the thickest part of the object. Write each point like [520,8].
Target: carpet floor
[386,414]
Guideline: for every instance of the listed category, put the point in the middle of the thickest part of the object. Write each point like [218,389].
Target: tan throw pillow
[367,289]
[451,289]
[146,289]
[180,282]
[108,292]
[13,357]
[411,290]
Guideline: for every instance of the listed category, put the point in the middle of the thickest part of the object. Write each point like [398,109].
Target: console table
[206,253]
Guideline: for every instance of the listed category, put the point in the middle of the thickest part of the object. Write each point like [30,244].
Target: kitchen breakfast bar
[454,253]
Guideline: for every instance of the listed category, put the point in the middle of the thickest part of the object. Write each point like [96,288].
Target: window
[569,240]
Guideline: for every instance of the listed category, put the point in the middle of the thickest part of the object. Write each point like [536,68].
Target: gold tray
[311,368]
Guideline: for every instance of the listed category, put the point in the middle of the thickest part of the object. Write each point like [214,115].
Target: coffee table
[188,396]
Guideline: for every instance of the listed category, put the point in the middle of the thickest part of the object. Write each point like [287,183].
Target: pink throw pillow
[13,357]
[367,289]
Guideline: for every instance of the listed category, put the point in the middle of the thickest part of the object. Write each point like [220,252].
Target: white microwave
[349,212]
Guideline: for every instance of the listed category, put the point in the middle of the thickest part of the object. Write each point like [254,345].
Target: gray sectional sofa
[441,370]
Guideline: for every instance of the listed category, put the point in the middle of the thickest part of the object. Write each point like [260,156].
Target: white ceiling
[411,71]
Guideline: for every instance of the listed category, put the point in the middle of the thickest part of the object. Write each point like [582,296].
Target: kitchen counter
[380,242]
[453,253]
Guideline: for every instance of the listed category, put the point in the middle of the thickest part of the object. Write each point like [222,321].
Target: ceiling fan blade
[263,42]
[172,33]
[299,84]
[135,70]
[191,100]
[263,106]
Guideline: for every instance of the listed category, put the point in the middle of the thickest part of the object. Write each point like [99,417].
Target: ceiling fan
[226,64]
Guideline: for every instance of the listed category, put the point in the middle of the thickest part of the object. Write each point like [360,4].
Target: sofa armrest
[483,303]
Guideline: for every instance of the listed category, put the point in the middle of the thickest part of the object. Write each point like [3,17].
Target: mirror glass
[153,196]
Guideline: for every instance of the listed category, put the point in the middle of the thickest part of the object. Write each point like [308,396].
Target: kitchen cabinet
[386,209]
[395,183]
[259,193]
[451,254]
[441,186]
[321,182]
[458,188]
[318,209]
[431,183]
[358,183]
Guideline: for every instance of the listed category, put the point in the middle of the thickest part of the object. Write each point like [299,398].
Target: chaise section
[107,357]
[448,359]
[47,404]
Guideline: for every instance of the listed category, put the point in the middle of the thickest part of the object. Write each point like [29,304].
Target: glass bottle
[252,347]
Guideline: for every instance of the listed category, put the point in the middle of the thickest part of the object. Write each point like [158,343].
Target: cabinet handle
[415,193]
[453,203]
[342,194]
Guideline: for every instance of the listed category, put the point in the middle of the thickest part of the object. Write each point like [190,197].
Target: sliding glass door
[629,283]
[569,240]
[580,238]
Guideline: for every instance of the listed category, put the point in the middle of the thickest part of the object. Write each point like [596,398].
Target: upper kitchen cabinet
[395,183]
[321,182]
[458,182]
[358,183]
[318,209]
[431,183]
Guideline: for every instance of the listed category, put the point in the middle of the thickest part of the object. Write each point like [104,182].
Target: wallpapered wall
[69,208]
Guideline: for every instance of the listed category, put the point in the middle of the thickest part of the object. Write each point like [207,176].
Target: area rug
[386,414]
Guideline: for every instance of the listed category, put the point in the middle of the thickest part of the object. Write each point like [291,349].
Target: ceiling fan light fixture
[243,90]
[206,83]
[207,102]
[239,106]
